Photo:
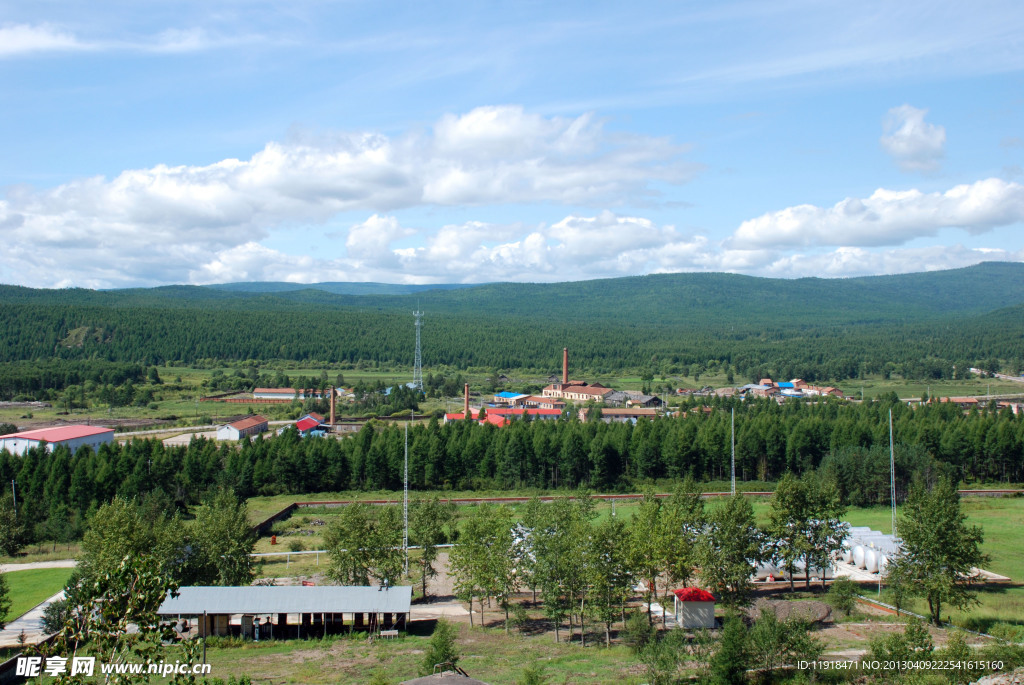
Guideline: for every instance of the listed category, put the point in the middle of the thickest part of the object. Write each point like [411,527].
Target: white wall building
[695,608]
[253,425]
[71,437]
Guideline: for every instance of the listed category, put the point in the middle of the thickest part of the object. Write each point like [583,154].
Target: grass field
[488,655]
[32,586]
[43,551]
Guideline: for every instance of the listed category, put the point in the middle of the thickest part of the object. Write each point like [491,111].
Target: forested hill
[816,328]
[642,300]
[710,298]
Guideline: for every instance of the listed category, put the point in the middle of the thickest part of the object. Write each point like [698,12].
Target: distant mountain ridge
[686,299]
[336,287]
[924,323]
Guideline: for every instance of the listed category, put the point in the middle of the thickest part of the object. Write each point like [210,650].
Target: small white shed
[695,608]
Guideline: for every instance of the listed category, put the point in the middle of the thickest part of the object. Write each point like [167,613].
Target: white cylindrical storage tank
[798,571]
[858,556]
[817,573]
[883,563]
[871,561]
[764,570]
[847,553]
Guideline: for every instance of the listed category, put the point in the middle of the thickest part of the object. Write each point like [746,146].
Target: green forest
[916,326]
[849,442]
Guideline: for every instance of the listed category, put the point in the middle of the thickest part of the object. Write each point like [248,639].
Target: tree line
[57,492]
[816,347]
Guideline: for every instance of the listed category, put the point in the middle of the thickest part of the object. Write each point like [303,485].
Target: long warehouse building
[71,437]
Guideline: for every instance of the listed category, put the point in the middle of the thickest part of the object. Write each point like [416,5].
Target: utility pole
[892,474]
[733,441]
[405,500]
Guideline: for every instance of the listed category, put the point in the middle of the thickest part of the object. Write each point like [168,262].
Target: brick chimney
[465,406]
[333,395]
[565,366]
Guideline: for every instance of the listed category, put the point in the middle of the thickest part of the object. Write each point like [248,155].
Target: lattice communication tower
[417,365]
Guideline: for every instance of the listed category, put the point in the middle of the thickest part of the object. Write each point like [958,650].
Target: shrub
[442,648]
[729,663]
[520,617]
[55,615]
[296,546]
[842,595]
[638,632]
[532,675]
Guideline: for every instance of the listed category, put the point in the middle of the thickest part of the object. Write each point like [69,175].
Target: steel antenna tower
[417,365]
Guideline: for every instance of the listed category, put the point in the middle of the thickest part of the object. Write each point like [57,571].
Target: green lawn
[486,654]
[31,587]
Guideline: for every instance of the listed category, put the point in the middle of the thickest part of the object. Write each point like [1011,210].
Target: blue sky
[158,142]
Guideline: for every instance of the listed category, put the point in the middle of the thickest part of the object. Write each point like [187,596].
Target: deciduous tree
[731,550]
[225,539]
[939,549]
[429,522]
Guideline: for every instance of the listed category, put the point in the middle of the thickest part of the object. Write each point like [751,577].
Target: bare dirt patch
[809,610]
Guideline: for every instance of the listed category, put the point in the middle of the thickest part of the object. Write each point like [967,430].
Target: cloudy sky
[147,143]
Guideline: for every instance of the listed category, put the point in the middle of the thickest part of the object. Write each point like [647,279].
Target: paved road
[30,623]
[57,563]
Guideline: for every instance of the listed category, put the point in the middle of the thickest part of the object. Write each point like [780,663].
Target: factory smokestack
[565,366]
[333,395]
[465,406]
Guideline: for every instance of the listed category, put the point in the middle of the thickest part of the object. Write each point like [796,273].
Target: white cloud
[477,252]
[855,261]
[25,39]
[493,155]
[912,142]
[887,217]
[574,248]
[20,39]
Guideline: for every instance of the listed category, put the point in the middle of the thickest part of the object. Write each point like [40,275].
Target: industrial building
[71,437]
[580,391]
[253,425]
[289,394]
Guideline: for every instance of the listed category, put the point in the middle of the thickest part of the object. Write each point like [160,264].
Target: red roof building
[253,425]
[307,424]
[694,608]
[693,594]
[71,437]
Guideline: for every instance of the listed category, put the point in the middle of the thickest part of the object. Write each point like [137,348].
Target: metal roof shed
[320,608]
[194,601]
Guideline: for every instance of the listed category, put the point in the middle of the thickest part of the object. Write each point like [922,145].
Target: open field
[260,508]
[32,586]
[487,654]
[43,551]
